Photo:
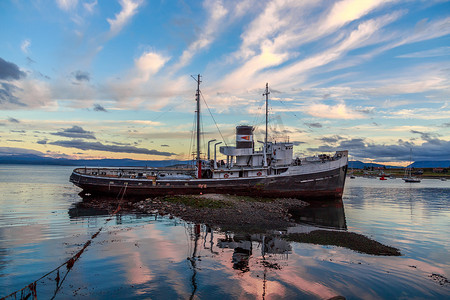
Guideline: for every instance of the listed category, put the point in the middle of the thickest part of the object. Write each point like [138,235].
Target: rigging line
[203,140]
[289,109]
[213,119]
[170,108]
[192,139]
[256,121]
[309,126]
[256,114]
[163,113]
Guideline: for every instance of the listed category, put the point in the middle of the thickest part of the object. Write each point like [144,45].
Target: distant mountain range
[431,164]
[32,159]
[417,164]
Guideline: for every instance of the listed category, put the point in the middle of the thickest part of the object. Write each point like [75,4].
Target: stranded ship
[270,171]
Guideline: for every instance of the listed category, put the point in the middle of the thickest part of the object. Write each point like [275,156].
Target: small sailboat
[408,177]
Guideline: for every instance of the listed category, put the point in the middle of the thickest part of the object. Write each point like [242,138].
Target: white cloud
[142,122]
[423,31]
[90,6]
[216,12]
[146,86]
[419,114]
[25,46]
[34,94]
[442,51]
[149,64]
[272,42]
[267,58]
[67,4]
[339,111]
[347,11]
[407,86]
[129,9]
[289,25]
[295,71]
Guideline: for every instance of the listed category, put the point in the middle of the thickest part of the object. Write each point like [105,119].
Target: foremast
[266,93]
[197,98]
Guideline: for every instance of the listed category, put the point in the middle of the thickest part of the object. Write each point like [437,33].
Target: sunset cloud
[97,146]
[75,132]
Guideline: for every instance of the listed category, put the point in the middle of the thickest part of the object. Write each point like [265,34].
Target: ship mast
[197,98]
[267,114]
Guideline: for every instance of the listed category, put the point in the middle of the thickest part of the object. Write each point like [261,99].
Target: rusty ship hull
[328,184]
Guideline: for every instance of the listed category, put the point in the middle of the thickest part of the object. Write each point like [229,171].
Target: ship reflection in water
[243,248]
[264,253]
[322,214]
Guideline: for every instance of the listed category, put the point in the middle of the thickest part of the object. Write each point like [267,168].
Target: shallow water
[148,256]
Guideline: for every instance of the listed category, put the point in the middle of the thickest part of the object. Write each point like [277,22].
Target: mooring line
[32,287]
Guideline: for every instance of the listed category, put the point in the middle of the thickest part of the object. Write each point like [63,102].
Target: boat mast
[197,97]
[267,114]
[410,161]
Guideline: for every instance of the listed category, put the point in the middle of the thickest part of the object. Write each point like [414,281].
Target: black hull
[323,185]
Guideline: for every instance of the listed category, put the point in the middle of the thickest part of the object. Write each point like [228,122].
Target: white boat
[411,179]
[408,177]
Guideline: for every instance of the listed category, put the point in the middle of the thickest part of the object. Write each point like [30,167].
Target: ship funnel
[244,137]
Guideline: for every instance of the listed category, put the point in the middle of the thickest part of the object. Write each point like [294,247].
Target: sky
[115,79]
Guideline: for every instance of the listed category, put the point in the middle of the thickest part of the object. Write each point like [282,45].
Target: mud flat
[242,215]
[350,240]
[224,212]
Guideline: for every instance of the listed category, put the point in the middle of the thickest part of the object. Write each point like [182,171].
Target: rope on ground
[31,289]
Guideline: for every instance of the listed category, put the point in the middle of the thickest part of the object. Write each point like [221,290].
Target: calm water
[147,256]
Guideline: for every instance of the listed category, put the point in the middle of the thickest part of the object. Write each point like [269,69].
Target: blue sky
[112,79]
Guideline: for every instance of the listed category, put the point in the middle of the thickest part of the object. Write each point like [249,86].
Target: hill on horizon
[418,164]
[31,159]
[431,164]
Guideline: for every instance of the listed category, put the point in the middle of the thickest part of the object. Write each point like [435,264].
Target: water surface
[148,256]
